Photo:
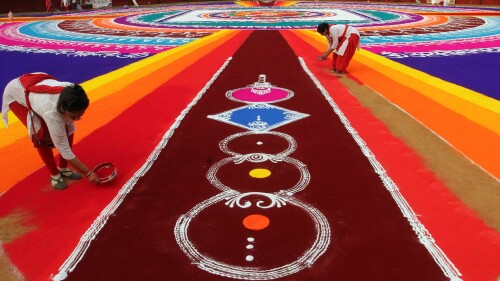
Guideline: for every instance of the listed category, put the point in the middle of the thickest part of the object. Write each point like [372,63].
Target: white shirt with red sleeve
[335,32]
[45,106]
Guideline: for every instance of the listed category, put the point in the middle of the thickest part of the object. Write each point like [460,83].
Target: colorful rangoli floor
[240,156]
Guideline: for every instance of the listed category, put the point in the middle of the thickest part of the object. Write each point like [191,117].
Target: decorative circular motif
[309,256]
[266,15]
[250,94]
[142,32]
[292,144]
[302,182]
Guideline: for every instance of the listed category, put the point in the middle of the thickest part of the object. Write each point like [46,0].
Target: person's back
[343,40]
[48,109]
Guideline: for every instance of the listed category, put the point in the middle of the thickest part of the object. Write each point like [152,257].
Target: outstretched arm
[325,54]
[331,46]
[77,164]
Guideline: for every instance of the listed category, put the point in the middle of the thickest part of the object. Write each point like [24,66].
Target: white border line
[423,234]
[307,259]
[85,241]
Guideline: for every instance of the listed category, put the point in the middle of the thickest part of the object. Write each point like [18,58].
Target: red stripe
[365,221]
[127,142]
[463,236]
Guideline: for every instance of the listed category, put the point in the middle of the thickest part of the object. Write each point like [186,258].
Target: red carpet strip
[366,236]
[127,141]
[453,225]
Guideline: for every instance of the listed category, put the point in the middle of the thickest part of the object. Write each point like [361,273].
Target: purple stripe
[74,69]
[476,72]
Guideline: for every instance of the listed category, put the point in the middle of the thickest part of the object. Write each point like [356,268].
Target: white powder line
[318,247]
[85,241]
[423,234]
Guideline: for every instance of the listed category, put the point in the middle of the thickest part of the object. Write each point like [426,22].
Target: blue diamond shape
[258,117]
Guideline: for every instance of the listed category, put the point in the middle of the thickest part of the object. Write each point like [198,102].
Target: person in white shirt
[48,108]
[343,40]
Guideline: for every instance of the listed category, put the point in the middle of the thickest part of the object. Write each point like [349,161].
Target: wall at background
[21,6]
[17,6]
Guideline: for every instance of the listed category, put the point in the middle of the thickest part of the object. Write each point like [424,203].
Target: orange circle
[256,222]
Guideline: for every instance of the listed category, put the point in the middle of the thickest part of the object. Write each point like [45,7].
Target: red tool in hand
[105,171]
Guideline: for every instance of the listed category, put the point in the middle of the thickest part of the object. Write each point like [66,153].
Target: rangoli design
[259,119]
[126,56]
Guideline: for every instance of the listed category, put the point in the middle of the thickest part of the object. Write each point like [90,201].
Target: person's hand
[324,55]
[93,178]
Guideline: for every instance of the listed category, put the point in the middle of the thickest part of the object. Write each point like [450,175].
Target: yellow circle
[260,173]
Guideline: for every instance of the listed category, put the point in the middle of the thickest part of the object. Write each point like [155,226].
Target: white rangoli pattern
[236,199]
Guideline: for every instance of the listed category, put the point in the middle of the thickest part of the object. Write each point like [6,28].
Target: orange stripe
[472,139]
[121,80]
[102,111]
[471,105]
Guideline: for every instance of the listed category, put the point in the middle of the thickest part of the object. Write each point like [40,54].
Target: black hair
[72,99]
[322,27]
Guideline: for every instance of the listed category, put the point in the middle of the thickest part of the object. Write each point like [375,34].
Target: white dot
[259,143]
[250,239]
[249,258]
[250,246]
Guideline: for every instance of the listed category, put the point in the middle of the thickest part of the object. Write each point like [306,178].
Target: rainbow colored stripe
[469,121]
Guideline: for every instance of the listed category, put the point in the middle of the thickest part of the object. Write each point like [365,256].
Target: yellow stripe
[105,110]
[472,105]
[450,88]
[141,68]
[116,81]
[146,66]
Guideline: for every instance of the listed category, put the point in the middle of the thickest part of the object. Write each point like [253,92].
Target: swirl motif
[257,158]
[276,200]
[262,200]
